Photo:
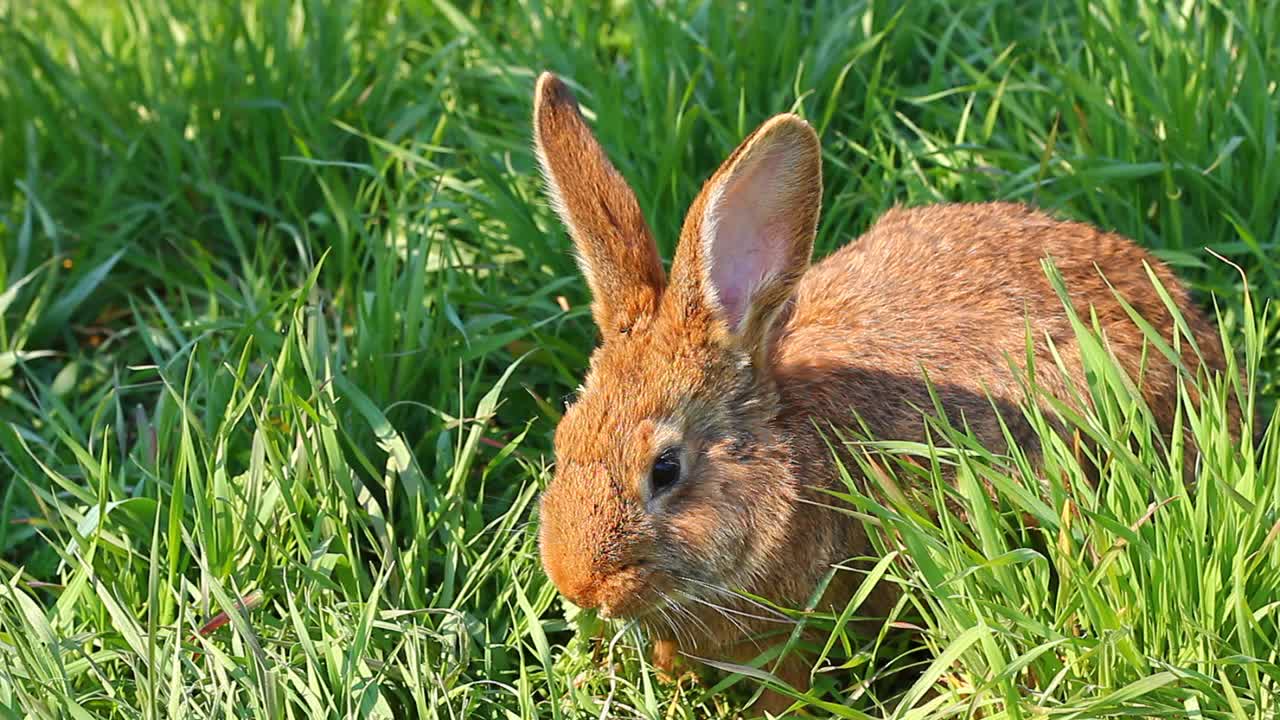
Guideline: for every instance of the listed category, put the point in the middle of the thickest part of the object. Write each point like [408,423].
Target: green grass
[283,320]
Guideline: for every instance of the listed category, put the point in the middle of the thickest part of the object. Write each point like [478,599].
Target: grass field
[285,328]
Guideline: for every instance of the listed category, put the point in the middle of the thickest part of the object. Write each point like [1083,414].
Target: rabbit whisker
[775,616]
[682,616]
[664,616]
[692,616]
[722,611]
[725,591]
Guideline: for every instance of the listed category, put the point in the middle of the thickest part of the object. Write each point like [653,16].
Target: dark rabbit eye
[666,470]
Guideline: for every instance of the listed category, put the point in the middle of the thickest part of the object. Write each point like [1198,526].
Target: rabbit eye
[666,470]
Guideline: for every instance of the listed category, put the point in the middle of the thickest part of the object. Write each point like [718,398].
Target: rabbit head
[670,470]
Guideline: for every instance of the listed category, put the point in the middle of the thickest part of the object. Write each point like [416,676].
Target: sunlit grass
[285,327]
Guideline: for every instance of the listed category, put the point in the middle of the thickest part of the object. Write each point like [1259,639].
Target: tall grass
[1121,590]
[285,328]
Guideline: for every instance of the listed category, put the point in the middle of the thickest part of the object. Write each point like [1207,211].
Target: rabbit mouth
[644,593]
[638,606]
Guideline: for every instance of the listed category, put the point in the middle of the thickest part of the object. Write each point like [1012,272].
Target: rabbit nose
[570,570]
[586,600]
[580,591]
[576,584]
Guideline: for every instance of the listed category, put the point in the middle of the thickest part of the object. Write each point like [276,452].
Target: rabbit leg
[664,654]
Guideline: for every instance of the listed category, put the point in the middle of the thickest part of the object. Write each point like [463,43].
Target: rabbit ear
[748,237]
[613,244]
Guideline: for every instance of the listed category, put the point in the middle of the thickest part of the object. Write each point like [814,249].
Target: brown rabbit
[683,468]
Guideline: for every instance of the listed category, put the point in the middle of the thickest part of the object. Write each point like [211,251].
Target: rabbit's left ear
[748,237]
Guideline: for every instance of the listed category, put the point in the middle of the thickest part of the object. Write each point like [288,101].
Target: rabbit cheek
[710,531]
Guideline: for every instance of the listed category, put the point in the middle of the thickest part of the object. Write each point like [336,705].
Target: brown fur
[950,289]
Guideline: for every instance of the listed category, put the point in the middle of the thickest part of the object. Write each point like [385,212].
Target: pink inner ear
[747,240]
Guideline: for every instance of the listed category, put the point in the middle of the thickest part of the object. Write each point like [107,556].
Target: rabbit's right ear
[613,244]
